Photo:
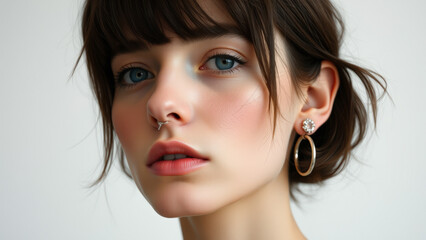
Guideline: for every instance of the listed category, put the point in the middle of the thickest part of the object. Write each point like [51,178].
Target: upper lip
[160,149]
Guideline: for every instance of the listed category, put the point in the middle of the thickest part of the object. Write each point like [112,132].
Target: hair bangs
[126,23]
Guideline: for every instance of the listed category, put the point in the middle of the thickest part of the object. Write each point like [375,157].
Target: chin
[168,212]
[185,204]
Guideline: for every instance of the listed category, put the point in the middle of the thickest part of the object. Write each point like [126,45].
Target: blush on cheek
[239,110]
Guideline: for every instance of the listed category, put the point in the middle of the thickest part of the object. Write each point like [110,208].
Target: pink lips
[182,166]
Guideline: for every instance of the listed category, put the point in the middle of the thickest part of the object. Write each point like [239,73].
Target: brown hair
[312,31]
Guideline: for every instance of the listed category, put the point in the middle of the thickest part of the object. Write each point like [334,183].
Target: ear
[319,97]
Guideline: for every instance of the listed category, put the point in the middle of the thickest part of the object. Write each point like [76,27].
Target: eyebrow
[133,45]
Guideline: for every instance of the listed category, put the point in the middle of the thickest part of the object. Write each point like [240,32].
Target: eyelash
[120,74]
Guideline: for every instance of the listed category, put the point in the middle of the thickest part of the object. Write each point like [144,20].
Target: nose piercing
[160,124]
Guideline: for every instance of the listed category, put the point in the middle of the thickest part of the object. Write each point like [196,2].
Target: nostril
[174,115]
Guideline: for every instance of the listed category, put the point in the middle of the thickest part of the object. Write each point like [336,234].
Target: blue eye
[222,62]
[130,76]
[135,75]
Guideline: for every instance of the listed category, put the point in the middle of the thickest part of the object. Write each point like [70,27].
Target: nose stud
[160,124]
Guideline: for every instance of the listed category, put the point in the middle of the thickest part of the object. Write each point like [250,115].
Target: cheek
[237,112]
[128,121]
[248,155]
[242,126]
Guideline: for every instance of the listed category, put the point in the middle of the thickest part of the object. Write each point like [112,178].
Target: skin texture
[243,190]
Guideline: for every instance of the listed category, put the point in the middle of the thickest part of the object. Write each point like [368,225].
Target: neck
[265,214]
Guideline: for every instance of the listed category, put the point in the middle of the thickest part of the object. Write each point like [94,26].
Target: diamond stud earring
[308,126]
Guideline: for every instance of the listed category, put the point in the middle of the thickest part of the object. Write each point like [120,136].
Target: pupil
[137,75]
[224,63]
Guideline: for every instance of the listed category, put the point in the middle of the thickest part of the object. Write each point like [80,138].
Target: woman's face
[212,94]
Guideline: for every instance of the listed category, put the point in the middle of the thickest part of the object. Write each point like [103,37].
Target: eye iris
[223,63]
[137,75]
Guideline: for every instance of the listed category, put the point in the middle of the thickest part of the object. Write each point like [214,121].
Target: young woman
[218,109]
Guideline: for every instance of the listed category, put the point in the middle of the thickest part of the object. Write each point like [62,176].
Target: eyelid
[225,52]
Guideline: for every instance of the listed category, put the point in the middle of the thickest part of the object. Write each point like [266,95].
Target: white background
[50,140]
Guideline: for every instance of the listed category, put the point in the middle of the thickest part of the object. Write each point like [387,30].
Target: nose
[171,99]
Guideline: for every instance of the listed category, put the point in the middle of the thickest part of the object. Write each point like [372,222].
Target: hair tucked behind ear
[313,32]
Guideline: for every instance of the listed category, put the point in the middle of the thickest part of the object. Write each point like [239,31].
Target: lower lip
[177,167]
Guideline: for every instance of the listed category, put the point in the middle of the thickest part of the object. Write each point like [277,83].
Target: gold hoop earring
[308,127]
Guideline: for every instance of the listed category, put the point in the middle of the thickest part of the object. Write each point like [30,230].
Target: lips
[171,150]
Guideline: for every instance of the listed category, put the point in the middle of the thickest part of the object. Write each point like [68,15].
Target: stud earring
[309,128]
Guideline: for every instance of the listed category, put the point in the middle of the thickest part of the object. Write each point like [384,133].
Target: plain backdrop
[50,138]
